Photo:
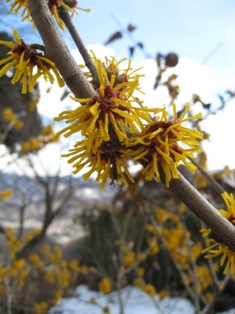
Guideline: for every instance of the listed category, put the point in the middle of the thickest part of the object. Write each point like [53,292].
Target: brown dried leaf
[231,94]
[157,80]
[131,51]
[206,106]
[131,28]
[113,37]
[140,45]
[222,101]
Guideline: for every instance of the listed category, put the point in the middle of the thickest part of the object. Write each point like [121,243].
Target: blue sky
[191,28]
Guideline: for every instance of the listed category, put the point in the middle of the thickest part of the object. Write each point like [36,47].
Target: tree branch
[64,15]
[216,186]
[57,50]
[220,226]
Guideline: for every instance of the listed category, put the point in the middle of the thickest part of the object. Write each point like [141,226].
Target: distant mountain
[68,194]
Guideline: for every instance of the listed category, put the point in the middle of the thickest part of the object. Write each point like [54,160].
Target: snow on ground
[135,302]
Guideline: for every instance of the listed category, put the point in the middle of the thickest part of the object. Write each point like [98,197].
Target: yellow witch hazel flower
[17,5]
[116,130]
[70,6]
[166,143]
[107,162]
[217,248]
[25,58]
[105,285]
[53,5]
[4,194]
[111,110]
[103,121]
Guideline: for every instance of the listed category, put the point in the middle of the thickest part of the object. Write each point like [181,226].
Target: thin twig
[129,34]
[212,52]
[64,15]
[217,187]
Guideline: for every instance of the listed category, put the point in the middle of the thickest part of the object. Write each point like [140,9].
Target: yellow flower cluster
[17,5]
[186,252]
[116,128]
[17,271]
[13,270]
[153,246]
[152,241]
[36,143]
[32,144]
[105,285]
[36,262]
[61,272]
[111,108]
[141,257]
[150,290]
[53,6]
[203,277]
[10,117]
[129,259]
[33,102]
[163,294]
[106,309]
[138,282]
[41,308]
[48,263]
[158,144]
[25,58]
[217,248]
[140,271]
[107,162]
[4,194]
[175,238]
[14,244]
[71,7]
[200,281]
[101,119]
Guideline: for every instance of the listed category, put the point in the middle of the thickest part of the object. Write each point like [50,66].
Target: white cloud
[193,78]
[221,127]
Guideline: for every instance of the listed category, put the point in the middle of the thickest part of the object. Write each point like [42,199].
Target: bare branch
[220,226]
[79,43]
[217,187]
